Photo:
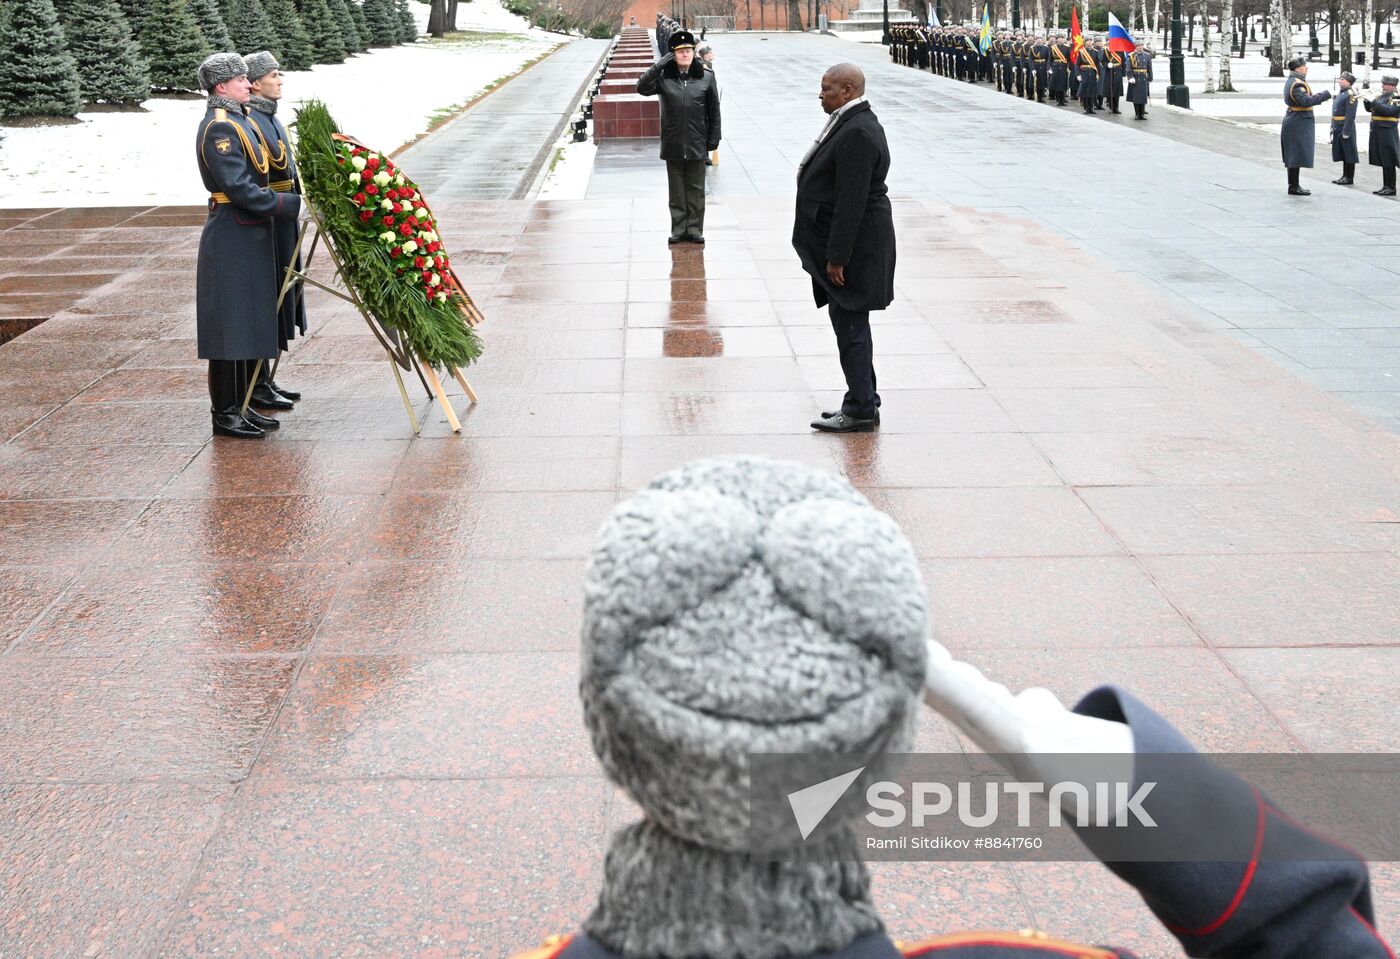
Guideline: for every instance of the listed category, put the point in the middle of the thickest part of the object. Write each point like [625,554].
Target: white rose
[398,179]
[357,162]
[420,212]
[354,178]
[387,237]
[387,205]
[409,247]
[441,297]
[382,179]
[434,280]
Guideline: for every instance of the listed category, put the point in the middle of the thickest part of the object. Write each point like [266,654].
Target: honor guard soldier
[1114,67]
[1101,61]
[1139,81]
[1088,69]
[265,76]
[1040,63]
[1059,69]
[1385,141]
[1344,149]
[236,289]
[1297,135]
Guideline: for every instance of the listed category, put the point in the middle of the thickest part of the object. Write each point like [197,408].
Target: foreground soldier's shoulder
[1028,942]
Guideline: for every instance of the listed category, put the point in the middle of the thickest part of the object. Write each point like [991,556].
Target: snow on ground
[571,169]
[384,98]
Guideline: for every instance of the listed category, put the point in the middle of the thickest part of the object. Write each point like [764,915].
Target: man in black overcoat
[236,285]
[265,75]
[844,235]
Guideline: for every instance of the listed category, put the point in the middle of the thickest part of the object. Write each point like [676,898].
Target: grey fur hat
[219,68]
[1389,80]
[1347,76]
[742,605]
[1297,62]
[260,64]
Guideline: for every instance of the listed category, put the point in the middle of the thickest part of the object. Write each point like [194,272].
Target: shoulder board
[552,947]
[220,113]
[1031,940]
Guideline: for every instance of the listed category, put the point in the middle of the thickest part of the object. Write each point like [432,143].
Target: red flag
[1076,38]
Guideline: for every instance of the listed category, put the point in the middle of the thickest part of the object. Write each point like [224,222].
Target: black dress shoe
[695,238]
[835,413]
[264,396]
[292,395]
[1343,181]
[841,423]
[260,421]
[231,423]
[673,239]
[1385,191]
[1298,191]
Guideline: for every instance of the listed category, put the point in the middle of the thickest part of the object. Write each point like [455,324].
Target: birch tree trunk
[1208,45]
[1156,15]
[1227,15]
[1368,22]
[1281,43]
[1344,25]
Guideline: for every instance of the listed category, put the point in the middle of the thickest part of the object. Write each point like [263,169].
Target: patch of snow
[568,180]
[384,98]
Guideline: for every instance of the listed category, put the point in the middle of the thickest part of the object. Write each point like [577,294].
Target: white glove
[1037,736]
[303,211]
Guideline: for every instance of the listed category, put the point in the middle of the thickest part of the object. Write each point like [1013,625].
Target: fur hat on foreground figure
[742,605]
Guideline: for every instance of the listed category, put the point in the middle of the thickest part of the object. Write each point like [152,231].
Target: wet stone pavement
[317,695]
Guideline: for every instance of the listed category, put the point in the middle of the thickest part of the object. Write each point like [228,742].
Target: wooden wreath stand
[400,353]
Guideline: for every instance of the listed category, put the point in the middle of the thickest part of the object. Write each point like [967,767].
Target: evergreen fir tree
[357,14]
[383,23]
[211,24]
[110,66]
[408,27]
[37,74]
[250,29]
[340,13]
[135,11]
[294,48]
[173,44]
[326,38]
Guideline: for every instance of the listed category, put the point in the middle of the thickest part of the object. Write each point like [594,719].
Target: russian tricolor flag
[1119,40]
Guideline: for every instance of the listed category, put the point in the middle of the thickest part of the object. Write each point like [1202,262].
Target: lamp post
[886,38]
[1177,93]
[1015,14]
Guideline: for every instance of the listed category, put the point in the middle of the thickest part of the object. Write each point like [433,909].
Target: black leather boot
[260,421]
[264,396]
[231,423]
[282,391]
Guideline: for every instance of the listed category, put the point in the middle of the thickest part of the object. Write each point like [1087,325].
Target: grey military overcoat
[1298,134]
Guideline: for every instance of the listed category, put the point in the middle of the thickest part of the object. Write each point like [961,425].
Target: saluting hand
[836,274]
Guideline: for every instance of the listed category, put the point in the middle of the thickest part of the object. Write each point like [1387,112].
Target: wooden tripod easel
[400,353]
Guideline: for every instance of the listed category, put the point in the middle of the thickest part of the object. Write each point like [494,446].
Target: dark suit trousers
[686,181]
[857,361]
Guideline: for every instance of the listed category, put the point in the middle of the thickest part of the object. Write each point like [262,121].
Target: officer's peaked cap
[219,68]
[680,39]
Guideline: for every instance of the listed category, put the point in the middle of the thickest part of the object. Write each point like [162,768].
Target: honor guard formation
[1033,66]
[1298,133]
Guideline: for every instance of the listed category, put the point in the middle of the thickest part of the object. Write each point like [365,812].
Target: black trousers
[857,350]
[228,384]
[1293,177]
[1140,109]
[685,180]
[1348,170]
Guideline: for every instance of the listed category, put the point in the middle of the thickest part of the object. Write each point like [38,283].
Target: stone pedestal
[618,111]
[870,15]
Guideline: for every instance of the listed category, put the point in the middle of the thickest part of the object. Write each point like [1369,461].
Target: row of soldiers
[1030,66]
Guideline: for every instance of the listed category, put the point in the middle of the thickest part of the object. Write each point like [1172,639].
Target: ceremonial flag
[984,39]
[1076,38]
[933,16]
[1119,39]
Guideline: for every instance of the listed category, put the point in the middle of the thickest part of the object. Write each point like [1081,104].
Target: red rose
[359,199]
[371,189]
[387,221]
[418,261]
[366,176]
[405,230]
[365,216]
[391,194]
[373,163]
